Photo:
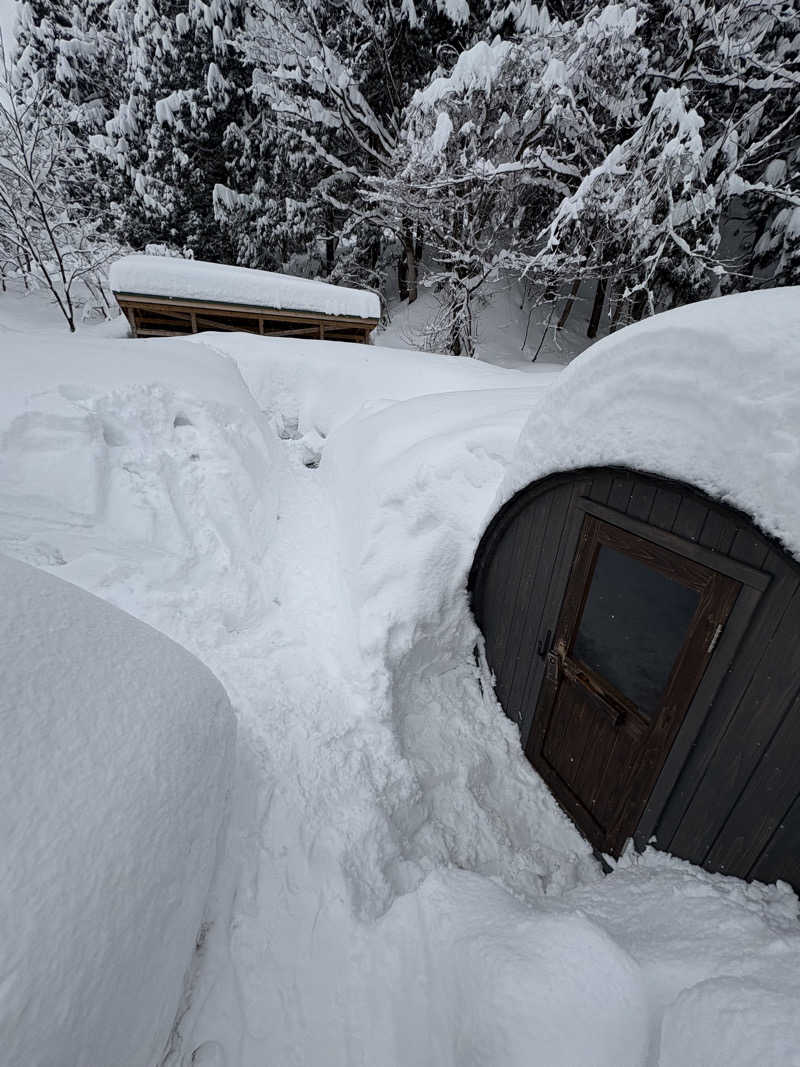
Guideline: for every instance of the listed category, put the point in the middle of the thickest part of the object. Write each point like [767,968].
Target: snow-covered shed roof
[194,279]
[708,394]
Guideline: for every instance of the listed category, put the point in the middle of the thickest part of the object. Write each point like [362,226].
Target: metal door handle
[543,646]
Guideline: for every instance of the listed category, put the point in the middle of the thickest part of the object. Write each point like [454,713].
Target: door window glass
[633,626]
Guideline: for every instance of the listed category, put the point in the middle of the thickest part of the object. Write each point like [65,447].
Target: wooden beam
[296,331]
[166,303]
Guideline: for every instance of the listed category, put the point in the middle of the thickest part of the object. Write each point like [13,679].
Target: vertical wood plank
[758,712]
[691,517]
[781,856]
[665,508]
[641,500]
[773,787]
[620,494]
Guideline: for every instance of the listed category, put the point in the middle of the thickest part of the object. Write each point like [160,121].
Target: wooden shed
[164,296]
[644,633]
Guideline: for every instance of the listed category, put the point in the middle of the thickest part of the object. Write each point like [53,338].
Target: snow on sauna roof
[193,279]
[708,394]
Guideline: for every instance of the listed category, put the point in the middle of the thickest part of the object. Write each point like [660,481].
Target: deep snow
[708,393]
[115,772]
[399,886]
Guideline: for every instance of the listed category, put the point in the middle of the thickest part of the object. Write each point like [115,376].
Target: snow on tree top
[192,279]
[708,394]
[476,68]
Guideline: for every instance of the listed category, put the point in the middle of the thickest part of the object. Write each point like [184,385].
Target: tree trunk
[413,291]
[402,276]
[408,285]
[330,242]
[565,314]
[639,305]
[597,307]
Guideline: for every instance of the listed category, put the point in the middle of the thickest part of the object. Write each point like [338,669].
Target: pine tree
[165,145]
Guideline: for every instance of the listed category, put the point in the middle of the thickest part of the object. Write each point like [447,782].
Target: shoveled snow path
[295,685]
[338,951]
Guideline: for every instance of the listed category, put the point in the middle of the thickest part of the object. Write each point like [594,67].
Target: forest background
[633,156]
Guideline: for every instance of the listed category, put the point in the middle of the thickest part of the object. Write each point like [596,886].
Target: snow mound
[143,471]
[708,394]
[318,385]
[116,759]
[506,985]
[410,484]
[194,279]
[720,957]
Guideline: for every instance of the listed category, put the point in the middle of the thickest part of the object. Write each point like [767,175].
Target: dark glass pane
[633,626]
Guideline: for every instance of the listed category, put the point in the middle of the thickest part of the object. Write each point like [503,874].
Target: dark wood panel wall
[729,795]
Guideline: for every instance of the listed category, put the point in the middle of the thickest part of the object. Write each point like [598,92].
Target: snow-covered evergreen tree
[166,141]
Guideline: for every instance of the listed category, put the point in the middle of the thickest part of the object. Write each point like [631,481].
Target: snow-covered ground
[399,887]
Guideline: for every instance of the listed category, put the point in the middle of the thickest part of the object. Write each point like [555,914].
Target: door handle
[609,708]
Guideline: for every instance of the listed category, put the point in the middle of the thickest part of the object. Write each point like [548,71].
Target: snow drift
[116,759]
[143,471]
[708,394]
[319,385]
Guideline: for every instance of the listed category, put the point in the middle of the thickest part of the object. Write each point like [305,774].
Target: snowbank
[708,394]
[193,279]
[131,466]
[506,985]
[318,385]
[410,484]
[116,759]
[720,958]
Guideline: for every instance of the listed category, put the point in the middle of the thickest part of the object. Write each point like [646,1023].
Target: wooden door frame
[718,596]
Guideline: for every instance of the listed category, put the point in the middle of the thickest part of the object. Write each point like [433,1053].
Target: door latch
[552,667]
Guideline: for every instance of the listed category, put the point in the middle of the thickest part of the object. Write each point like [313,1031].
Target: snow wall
[708,394]
[114,771]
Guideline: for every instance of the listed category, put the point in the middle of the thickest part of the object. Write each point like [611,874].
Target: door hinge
[714,639]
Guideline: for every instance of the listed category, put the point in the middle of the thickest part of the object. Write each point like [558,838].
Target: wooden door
[637,627]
